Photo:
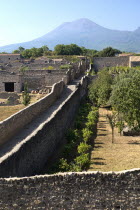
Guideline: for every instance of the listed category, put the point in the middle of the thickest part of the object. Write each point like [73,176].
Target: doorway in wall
[9,86]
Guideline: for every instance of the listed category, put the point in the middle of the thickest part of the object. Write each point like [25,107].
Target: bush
[82,161]
[25,95]
[86,134]
[63,165]
[83,148]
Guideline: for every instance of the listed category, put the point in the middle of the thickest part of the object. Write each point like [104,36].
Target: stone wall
[135,63]
[6,58]
[16,122]
[7,77]
[101,62]
[37,79]
[92,190]
[30,155]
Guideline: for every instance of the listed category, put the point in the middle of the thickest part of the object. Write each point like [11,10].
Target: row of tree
[121,91]
[62,49]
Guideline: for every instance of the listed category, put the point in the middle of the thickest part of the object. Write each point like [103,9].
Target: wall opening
[9,86]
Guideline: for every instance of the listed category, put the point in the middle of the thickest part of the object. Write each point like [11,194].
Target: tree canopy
[100,89]
[71,49]
[125,96]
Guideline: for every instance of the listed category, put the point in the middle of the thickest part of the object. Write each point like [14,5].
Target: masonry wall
[72,191]
[6,77]
[30,156]
[101,62]
[16,122]
[6,58]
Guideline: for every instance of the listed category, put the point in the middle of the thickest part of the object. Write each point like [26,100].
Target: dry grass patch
[122,155]
[7,111]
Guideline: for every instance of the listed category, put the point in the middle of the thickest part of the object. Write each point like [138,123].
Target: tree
[71,49]
[125,96]
[108,52]
[21,49]
[59,49]
[100,89]
[25,95]
[16,52]
[112,118]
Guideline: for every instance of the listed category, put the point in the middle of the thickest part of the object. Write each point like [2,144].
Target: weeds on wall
[76,153]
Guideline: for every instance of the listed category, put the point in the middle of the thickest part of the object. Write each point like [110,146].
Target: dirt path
[122,155]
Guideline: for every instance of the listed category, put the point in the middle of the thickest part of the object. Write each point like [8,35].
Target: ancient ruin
[30,138]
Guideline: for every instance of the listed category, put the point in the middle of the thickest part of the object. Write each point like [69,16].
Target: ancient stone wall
[37,79]
[101,62]
[30,155]
[13,124]
[7,77]
[92,190]
[6,58]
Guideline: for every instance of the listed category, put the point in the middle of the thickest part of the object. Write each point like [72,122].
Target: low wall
[16,122]
[92,190]
[101,62]
[29,156]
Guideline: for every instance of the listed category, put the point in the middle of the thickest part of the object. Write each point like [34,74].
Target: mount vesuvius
[84,32]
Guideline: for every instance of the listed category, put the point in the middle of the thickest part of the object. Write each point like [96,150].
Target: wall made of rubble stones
[102,62]
[16,122]
[7,77]
[6,58]
[33,153]
[85,190]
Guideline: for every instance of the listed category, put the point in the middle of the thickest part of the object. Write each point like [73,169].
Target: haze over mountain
[84,32]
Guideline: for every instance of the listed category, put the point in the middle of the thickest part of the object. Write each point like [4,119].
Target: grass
[122,155]
[7,111]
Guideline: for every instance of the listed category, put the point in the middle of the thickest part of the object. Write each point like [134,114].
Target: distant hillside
[84,32]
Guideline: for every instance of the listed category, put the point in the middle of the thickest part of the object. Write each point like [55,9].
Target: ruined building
[15,71]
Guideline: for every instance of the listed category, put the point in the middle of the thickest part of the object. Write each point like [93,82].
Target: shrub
[82,161]
[83,148]
[25,95]
[86,134]
[63,165]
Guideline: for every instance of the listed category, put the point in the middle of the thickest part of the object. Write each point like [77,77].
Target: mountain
[84,32]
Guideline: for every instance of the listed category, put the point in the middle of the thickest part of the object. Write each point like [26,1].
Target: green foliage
[108,52]
[86,134]
[100,89]
[112,118]
[63,165]
[82,161]
[119,69]
[49,68]
[21,49]
[71,49]
[33,52]
[83,148]
[88,52]
[66,66]
[120,125]
[75,155]
[25,95]
[125,97]
[16,52]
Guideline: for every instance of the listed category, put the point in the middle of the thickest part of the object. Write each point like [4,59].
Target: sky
[25,20]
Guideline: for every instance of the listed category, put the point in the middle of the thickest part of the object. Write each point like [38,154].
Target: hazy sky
[24,20]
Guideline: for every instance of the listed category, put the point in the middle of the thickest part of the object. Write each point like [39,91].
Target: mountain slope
[84,32]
